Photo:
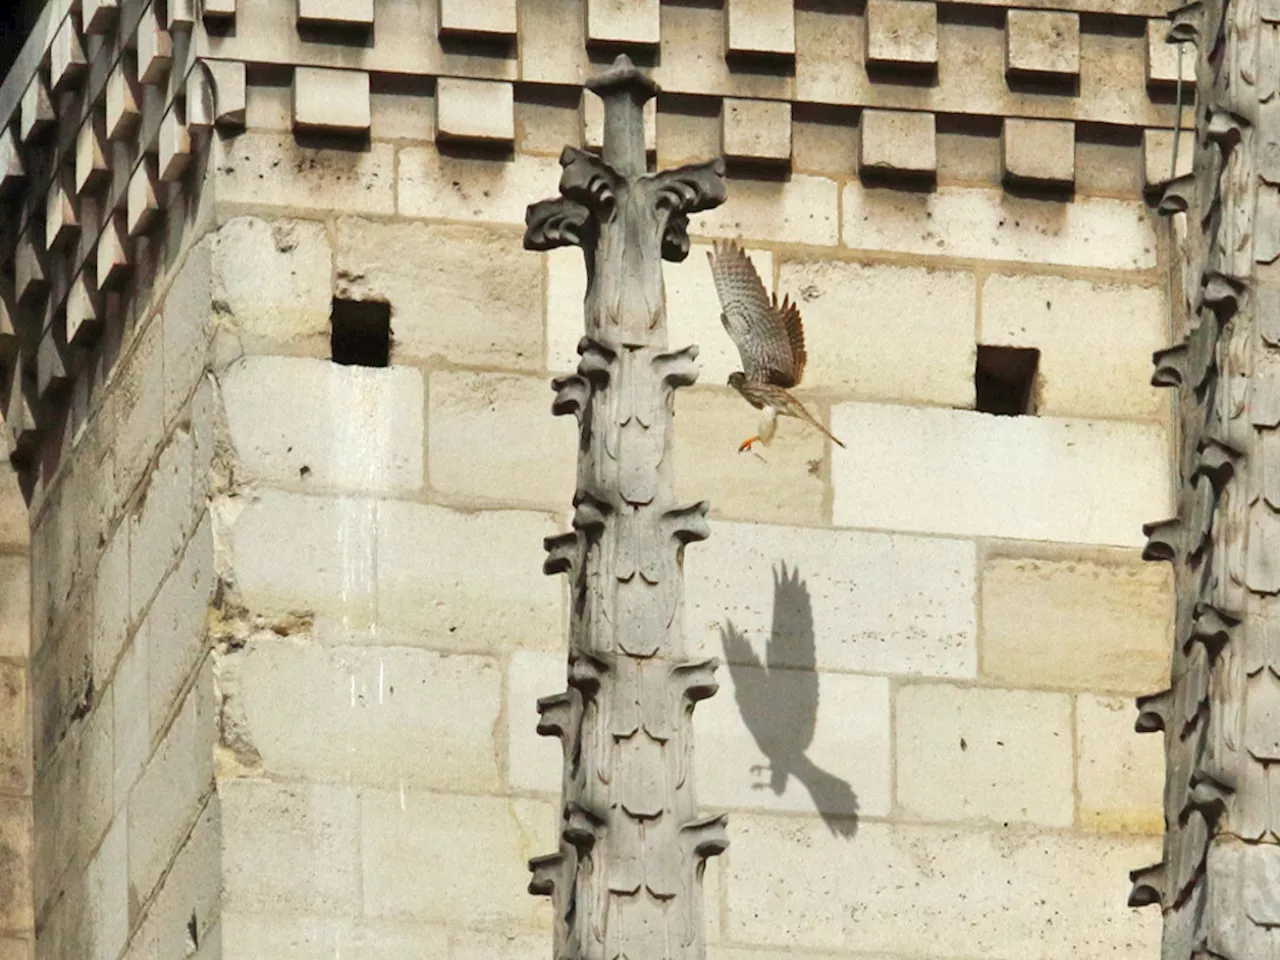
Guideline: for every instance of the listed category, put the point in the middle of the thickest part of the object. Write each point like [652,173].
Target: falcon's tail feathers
[814,421]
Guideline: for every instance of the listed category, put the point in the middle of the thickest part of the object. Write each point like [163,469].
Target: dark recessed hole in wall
[360,333]
[1005,380]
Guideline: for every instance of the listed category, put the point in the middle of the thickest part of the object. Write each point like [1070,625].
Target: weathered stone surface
[105,920]
[331,101]
[1039,151]
[491,19]
[272,279]
[802,209]
[111,609]
[290,847]
[1012,892]
[897,141]
[761,718]
[755,27]
[623,21]
[925,355]
[347,13]
[902,33]
[477,110]
[491,595]
[268,169]
[534,762]
[465,294]
[480,881]
[880,603]
[317,936]
[15,607]
[1076,622]
[987,224]
[454,188]
[131,727]
[16,852]
[1095,341]
[1162,60]
[168,513]
[15,742]
[512,414]
[188,326]
[756,130]
[376,714]
[1042,43]
[1076,481]
[351,428]
[1121,774]
[1157,155]
[994,755]
[780,483]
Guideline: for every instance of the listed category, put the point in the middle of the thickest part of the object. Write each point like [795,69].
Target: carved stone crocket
[770,339]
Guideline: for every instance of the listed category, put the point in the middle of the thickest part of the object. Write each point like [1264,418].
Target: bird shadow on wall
[778,700]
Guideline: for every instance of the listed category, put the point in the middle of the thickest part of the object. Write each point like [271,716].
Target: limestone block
[123,98]
[111,605]
[512,414]
[135,410]
[352,428]
[877,603]
[52,373]
[290,846]
[131,725]
[91,157]
[15,607]
[15,742]
[1121,773]
[106,883]
[143,204]
[483,879]
[155,48]
[801,209]
[988,224]
[100,15]
[174,148]
[755,27]
[315,936]
[182,15]
[993,892]
[29,278]
[593,122]
[1042,43]
[167,516]
[1095,341]
[1039,151]
[508,946]
[15,863]
[12,172]
[902,33]
[188,325]
[293,553]
[379,716]
[756,130]
[174,633]
[189,903]
[16,947]
[982,754]
[67,62]
[61,222]
[764,718]
[491,596]
[1061,621]
[776,484]
[1157,155]
[492,191]
[341,13]
[534,762]
[693,310]
[967,473]
[487,19]
[482,110]
[273,280]
[629,22]
[113,252]
[166,799]
[273,170]
[219,9]
[926,354]
[897,141]
[465,294]
[1162,59]
[36,110]
[333,101]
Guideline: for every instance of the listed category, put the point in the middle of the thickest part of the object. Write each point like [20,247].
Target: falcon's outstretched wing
[768,334]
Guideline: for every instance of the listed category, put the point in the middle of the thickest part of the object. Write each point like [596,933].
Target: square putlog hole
[1005,380]
[360,333]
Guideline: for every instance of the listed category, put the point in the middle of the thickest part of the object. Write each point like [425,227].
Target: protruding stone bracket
[547,871]
[1185,23]
[1163,538]
[1153,712]
[589,515]
[1148,885]
[582,827]
[572,394]
[688,524]
[562,553]
[678,369]
[1176,197]
[597,361]
[705,837]
[558,223]
[696,680]
[1171,366]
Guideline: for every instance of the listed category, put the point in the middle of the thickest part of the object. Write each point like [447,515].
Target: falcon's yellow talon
[746,444]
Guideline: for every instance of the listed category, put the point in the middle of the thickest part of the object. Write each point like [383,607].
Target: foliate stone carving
[1220,718]
[626,880]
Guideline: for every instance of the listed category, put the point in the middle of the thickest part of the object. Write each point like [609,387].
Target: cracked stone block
[633,22]
[1157,155]
[482,110]
[593,122]
[339,13]
[898,141]
[486,19]
[760,27]
[1041,43]
[902,33]
[756,130]
[332,101]
[1039,151]
[1162,57]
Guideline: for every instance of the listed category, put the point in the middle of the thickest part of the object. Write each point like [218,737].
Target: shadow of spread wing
[769,336]
[792,645]
[750,683]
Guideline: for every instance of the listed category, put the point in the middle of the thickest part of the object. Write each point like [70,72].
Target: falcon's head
[737,379]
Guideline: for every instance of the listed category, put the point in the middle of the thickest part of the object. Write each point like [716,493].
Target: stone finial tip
[622,75]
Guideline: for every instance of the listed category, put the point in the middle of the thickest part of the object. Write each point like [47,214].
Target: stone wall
[288,620]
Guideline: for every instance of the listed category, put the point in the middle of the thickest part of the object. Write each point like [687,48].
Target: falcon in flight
[770,340]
